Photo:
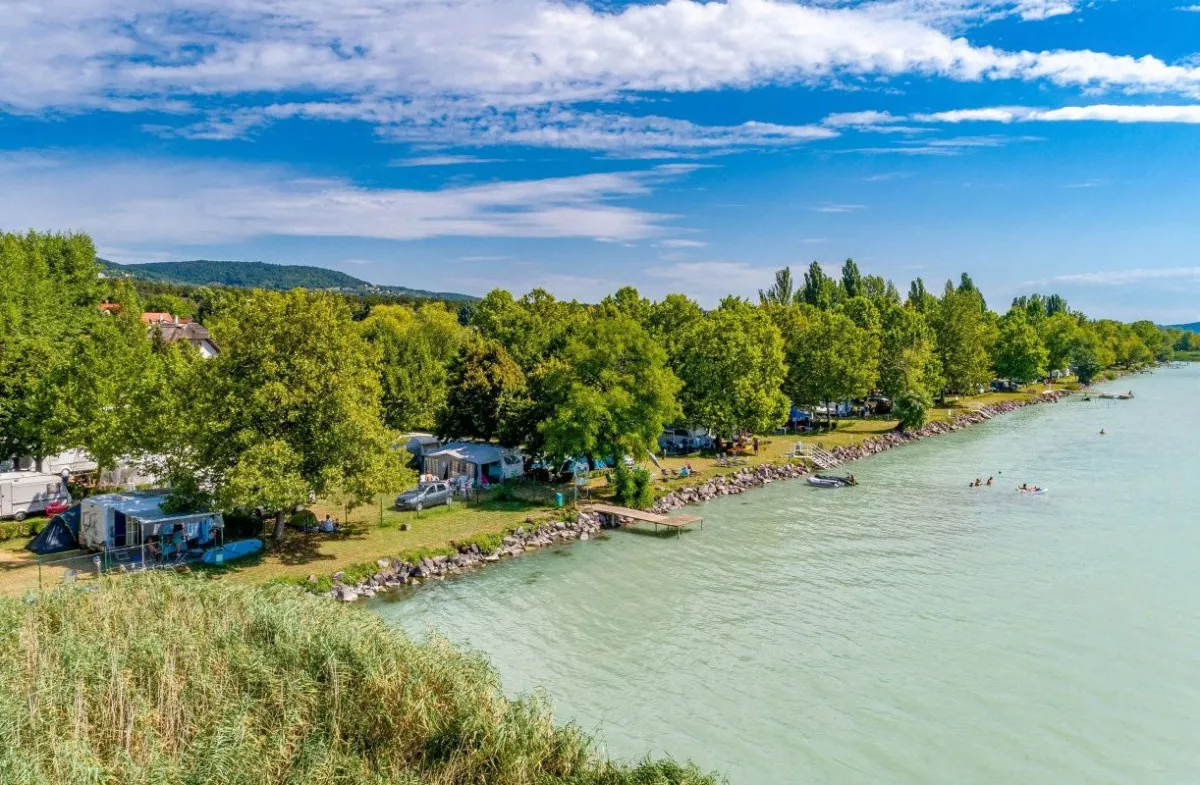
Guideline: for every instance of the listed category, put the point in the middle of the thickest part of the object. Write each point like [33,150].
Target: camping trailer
[23,493]
[123,520]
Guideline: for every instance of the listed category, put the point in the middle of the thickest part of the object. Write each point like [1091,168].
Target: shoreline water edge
[397,573]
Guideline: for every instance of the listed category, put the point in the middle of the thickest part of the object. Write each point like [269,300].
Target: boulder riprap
[533,536]
[394,573]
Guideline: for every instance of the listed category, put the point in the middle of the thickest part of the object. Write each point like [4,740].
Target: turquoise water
[912,630]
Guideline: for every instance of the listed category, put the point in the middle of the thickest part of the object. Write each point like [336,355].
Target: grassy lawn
[364,539]
[370,533]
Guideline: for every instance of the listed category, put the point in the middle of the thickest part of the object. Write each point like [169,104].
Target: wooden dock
[676,522]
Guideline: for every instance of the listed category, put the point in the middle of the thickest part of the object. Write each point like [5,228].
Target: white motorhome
[22,493]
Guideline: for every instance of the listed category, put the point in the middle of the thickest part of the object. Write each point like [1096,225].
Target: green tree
[291,406]
[628,302]
[1059,332]
[966,285]
[1089,356]
[732,368]
[852,280]
[609,393]
[486,394]
[1020,353]
[531,329]
[783,292]
[670,321]
[962,340]
[908,359]
[862,312]
[49,297]
[832,359]
[415,348]
[921,299]
[820,291]
[911,407]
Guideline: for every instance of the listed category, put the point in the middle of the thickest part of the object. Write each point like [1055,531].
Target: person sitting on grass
[328,526]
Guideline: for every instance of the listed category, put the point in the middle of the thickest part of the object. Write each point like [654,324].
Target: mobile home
[23,493]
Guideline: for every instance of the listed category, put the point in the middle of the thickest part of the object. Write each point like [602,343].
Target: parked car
[426,494]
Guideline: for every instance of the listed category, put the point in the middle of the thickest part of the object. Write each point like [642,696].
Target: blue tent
[799,415]
[61,534]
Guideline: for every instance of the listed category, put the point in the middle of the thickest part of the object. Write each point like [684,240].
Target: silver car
[424,495]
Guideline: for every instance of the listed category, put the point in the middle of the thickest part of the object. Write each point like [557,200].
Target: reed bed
[173,679]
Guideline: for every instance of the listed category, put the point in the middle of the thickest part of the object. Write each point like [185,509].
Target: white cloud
[467,122]
[856,119]
[1117,277]
[709,281]
[1113,113]
[681,243]
[140,204]
[402,55]
[442,160]
[1091,182]
[829,207]
[957,14]
[1195,9]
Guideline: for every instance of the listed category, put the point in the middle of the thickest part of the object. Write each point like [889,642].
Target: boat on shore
[844,479]
[821,482]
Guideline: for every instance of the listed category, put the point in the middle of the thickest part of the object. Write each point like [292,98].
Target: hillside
[260,275]
[1192,327]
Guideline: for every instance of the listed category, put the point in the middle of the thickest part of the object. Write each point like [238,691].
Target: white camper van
[22,493]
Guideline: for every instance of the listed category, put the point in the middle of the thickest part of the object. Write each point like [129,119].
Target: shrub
[157,678]
[26,528]
[488,543]
[911,407]
[632,487]
[621,480]
[643,489]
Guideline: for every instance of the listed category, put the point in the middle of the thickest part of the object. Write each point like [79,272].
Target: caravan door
[6,491]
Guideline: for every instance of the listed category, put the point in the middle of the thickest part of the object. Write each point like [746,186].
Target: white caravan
[22,493]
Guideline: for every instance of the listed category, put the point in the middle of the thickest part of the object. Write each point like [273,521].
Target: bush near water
[166,679]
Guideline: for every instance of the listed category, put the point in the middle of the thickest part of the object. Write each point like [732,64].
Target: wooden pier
[676,522]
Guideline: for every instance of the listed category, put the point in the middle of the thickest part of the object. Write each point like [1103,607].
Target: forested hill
[260,275]
[1194,327]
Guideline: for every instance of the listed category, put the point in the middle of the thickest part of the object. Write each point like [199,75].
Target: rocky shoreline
[757,477]
[394,573]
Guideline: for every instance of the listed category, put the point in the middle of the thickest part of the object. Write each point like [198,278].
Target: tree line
[310,391]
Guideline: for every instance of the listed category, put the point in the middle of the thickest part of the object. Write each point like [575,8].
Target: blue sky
[1049,145]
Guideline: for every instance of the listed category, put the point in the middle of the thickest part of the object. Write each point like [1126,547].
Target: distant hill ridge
[261,275]
[1193,327]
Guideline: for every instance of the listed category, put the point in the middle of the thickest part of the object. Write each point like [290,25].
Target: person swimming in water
[989,482]
[1102,433]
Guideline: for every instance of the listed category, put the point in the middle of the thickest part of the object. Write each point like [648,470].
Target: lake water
[909,631]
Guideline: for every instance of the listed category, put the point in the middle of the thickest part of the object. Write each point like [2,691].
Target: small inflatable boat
[230,551]
[822,482]
[844,480]
[1033,491]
